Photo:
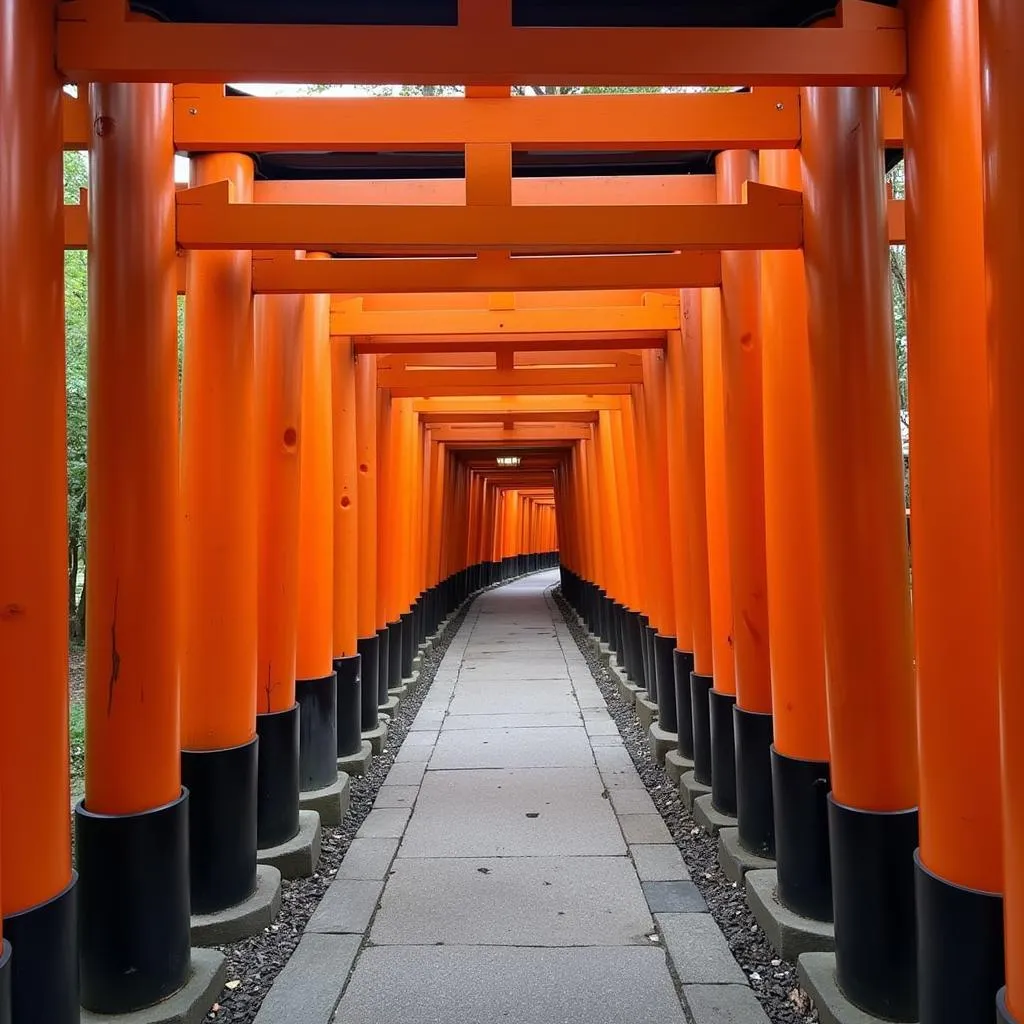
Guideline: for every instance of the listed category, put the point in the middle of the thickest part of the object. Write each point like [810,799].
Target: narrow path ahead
[512,864]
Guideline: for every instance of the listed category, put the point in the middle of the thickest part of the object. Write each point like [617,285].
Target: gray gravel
[773,980]
[254,963]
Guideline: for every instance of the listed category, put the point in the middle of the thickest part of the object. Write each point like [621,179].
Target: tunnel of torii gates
[673,310]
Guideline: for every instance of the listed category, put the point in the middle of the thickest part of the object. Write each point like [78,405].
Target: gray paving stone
[724,1004]
[421,738]
[698,950]
[548,720]
[531,812]
[415,753]
[606,741]
[531,697]
[644,828]
[513,901]
[632,801]
[347,907]
[659,863]
[674,897]
[368,859]
[384,823]
[308,989]
[396,796]
[623,777]
[427,719]
[512,748]
[408,773]
[525,986]
[601,728]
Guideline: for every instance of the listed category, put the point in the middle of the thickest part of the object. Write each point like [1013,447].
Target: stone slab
[396,796]
[710,819]
[632,801]
[384,823]
[506,668]
[347,907]
[513,812]
[646,710]
[698,950]
[659,862]
[247,918]
[690,789]
[377,737]
[735,860]
[368,859]
[357,764]
[530,697]
[679,896]
[300,855]
[661,742]
[495,985]
[513,748]
[331,802]
[606,741]
[817,974]
[548,720]
[789,933]
[724,1004]
[644,828]
[308,989]
[513,901]
[600,727]
[428,719]
[676,766]
[189,1005]
[408,773]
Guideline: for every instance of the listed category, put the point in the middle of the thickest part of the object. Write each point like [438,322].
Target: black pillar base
[394,655]
[647,654]
[221,825]
[1003,1015]
[754,781]
[875,913]
[664,671]
[700,700]
[369,657]
[961,951]
[408,643]
[277,777]
[318,732]
[682,666]
[133,905]
[350,705]
[639,669]
[723,752]
[383,665]
[800,797]
[5,982]
[39,977]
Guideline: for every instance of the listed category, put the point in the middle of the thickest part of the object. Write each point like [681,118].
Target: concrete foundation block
[817,974]
[298,857]
[708,818]
[661,742]
[789,934]
[247,918]
[724,1004]
[735,860]
[331,802]
[627,691]
[390,706]
[690,789]
[411,682]
[189,1005]
[676,766]
[377,737]
[357,764]
[646,710]
[604,652]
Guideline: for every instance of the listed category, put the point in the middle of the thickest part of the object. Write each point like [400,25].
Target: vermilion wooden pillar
[1002,104]
[744,454]
[800,754]
[960,865]
[316,685]
[868,647]
[36,878]
[133,794]
[218,524]
[278,344]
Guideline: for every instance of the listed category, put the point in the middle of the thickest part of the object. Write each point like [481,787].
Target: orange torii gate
[694,370]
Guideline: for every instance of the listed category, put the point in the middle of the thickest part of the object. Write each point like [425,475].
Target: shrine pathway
[513,869]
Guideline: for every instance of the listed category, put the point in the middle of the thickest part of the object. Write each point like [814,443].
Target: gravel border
[774,981]
[254,963]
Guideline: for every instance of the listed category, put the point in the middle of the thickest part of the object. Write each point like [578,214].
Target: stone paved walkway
[514,869]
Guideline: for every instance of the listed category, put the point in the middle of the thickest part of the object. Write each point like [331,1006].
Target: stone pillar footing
[690,789]
[330,802]
[676,765]
[377,737]
[661,742]
[817,974]
[709,817]
[300,855]
[790,934]
[206,977]
[646,710]
[735,859]
[357,764]
[247,918]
